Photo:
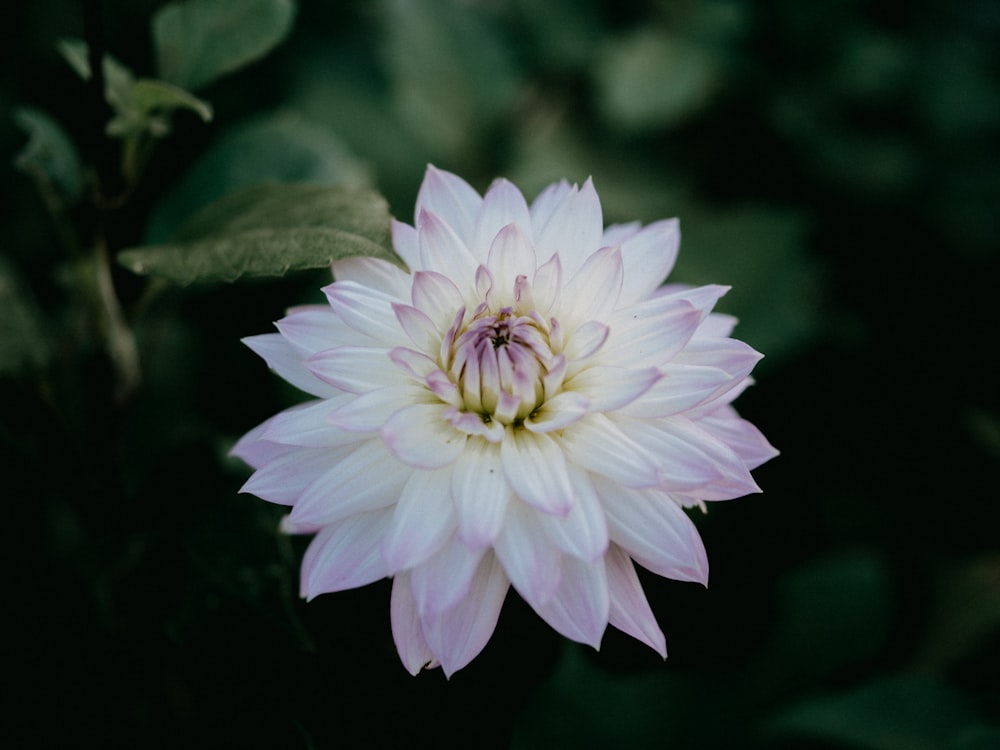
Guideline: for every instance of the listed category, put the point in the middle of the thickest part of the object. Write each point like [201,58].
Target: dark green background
[837,162]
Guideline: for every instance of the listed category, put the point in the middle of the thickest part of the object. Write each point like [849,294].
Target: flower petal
[610,388]
[406,243]
[370,411]
[375,273]
[423,520]
[535,468]
[655,531]
[420,436]
[419,328]
[530,560]
[407,630]
[597,444]
[313,328]
[460,633]
[437,297]
[283,479]
[740,435]
[650,334]
[573,229]
[630,611]
[681,388]
[366,311]
[451,198]
[287,362]
[444,251]
[648,257]
[480,492]
[592,293]
[583,532]
[503,204]
[362,479]
[511,256]
[580,606]
[355,369]
[444,579]
[558,412]
[345,555]
[307,425]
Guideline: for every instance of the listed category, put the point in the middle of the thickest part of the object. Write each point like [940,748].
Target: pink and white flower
[525,406]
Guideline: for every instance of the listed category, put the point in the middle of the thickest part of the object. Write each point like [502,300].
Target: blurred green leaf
[760,252]
[651,79]
[23,346]
[139,105]
[451,73]
[49,157]
[898,713]
[283,147]
[197,41]
[584,708]
[269,230]
[834,612]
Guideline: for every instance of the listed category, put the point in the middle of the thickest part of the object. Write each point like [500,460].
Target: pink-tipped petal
[630,611]
[610,388]
[407,631]
[573,229]
[355,369]
[532,563]
[502,205]
[592,293]
[457,635]
[374,273]
[367,311]
[314,328]
[370,411]
[579,609]
[444,251]
[450,197]
[655,531]
[345,555]
[445,579]
[480,492]
[437,297]
[648,257]
[287,362]
[598,445]
[583,532]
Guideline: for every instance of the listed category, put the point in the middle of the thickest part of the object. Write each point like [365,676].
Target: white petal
[420,436]
[256,452]
[313,328]
[611,388]
[586,340]
[422,522]
[451,198]
[648,257]
[370,411]
[366,311]
[530,559]
[630,611]
[307,425]
[480,492]
[650,334]
[406,243]
[363,479]
[444,579]
[345,555]
[503,204]
[284,479]
[436,297]
[460,633]
[597,444]
[287,362]
[444,251]
[740,435]
[579,609]
[407,631]
[511,255]
[583,532]
[731,355]
[616,234]
[681,388]
[655,531]
[546,284]
[375,273]
[573,230]
[535,468]
[684,466]
[558,412]
[355,369]
[733,478]
[420,329]
[547,203]
[592,292]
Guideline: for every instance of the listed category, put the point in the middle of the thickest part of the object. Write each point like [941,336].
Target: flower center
[499,363]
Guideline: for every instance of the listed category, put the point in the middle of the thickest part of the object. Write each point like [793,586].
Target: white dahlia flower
[525,406]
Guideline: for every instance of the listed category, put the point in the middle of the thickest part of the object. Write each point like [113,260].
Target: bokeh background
[836,161]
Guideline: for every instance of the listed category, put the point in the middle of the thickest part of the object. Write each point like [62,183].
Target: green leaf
[898,713]
[139,105]
[834,612]
[270,230]
[49,157]
[652,79]
[197,41]
[283,147]
[22,346]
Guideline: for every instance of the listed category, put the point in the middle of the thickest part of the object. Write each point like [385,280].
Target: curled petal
[407,631]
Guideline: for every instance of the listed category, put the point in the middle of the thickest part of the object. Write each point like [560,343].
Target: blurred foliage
[836,162]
